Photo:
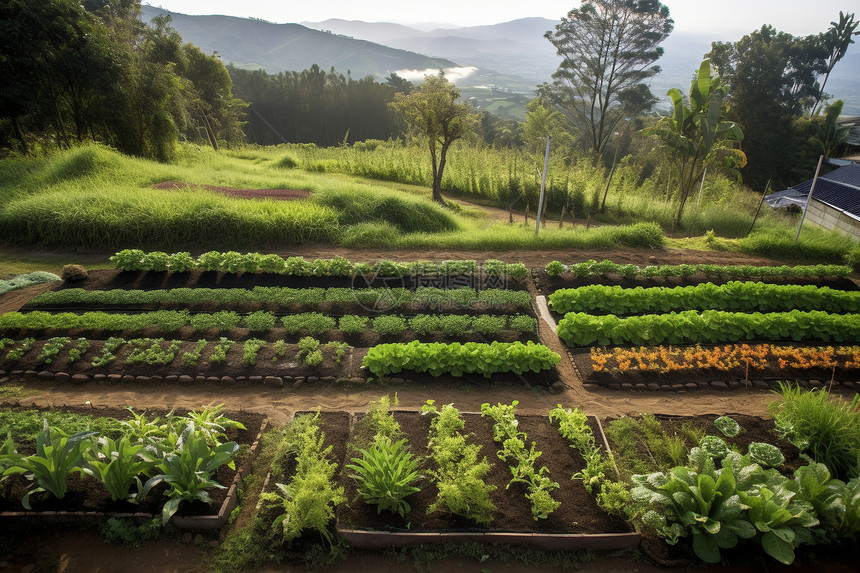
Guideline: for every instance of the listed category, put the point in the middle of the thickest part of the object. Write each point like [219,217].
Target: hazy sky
[797,17]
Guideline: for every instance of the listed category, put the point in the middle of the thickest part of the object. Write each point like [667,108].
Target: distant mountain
[255,44]
[510,58]
[515,48]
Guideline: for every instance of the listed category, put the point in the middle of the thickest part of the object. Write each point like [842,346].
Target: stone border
[721,385]
[182,522]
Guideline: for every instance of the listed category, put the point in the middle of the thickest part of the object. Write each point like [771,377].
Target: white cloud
[451,74]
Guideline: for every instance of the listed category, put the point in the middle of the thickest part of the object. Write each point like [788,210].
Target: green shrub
[488,324]
[425,324]
[250,348]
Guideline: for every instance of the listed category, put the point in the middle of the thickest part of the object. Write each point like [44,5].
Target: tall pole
[542,187]
[763,195]
[608,181]
[699,200]
[808,198]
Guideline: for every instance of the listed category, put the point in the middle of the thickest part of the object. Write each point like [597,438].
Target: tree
[837,38]
[432,112]
[608,48]
[773,79]
[696,137]
[830,134]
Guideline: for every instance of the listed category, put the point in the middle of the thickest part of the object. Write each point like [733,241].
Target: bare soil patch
[277,194]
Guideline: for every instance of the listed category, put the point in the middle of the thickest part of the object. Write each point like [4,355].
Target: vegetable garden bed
[576,524]
[717,366]
[87,498]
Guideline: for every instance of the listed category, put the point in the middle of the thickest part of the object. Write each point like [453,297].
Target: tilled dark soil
[578,513]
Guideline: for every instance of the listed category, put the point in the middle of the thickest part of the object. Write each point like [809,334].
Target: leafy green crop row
[375,298]
[710,326]
[457,359]
[732,296]
[592,268]
[234,262]
[311,323]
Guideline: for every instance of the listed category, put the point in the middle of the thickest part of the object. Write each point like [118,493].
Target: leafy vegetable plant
[523,469]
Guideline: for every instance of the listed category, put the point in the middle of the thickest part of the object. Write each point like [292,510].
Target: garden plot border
[197,522]
[373,539]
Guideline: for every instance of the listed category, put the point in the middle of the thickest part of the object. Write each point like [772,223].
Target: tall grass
[814,244]
[825,428]
[126,218]
[95,197]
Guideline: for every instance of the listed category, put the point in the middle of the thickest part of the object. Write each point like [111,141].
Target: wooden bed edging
[544,541]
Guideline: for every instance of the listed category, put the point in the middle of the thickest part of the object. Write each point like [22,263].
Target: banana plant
[118,465]
[57,457]
[189,470]
[695,137]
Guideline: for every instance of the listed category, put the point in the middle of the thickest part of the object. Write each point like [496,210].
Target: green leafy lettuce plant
[188,470]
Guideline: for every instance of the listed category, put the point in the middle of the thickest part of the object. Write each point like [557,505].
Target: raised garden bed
[87,498]
[578,523]
[760,374]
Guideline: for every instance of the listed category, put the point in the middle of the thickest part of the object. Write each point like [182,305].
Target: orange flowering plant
[667,359]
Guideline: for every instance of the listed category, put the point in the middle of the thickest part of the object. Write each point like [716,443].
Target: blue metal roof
[839,189]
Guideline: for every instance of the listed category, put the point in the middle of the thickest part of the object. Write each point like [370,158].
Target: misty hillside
[511,58]
[255,44]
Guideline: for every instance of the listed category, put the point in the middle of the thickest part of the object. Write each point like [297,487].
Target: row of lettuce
[705,313]
[372,299]
[128,458]
[234,262]
[592,268]
[302,324]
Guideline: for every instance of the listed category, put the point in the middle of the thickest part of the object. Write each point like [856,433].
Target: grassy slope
[95,198]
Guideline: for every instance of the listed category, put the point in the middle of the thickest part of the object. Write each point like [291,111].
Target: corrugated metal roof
[839,189]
